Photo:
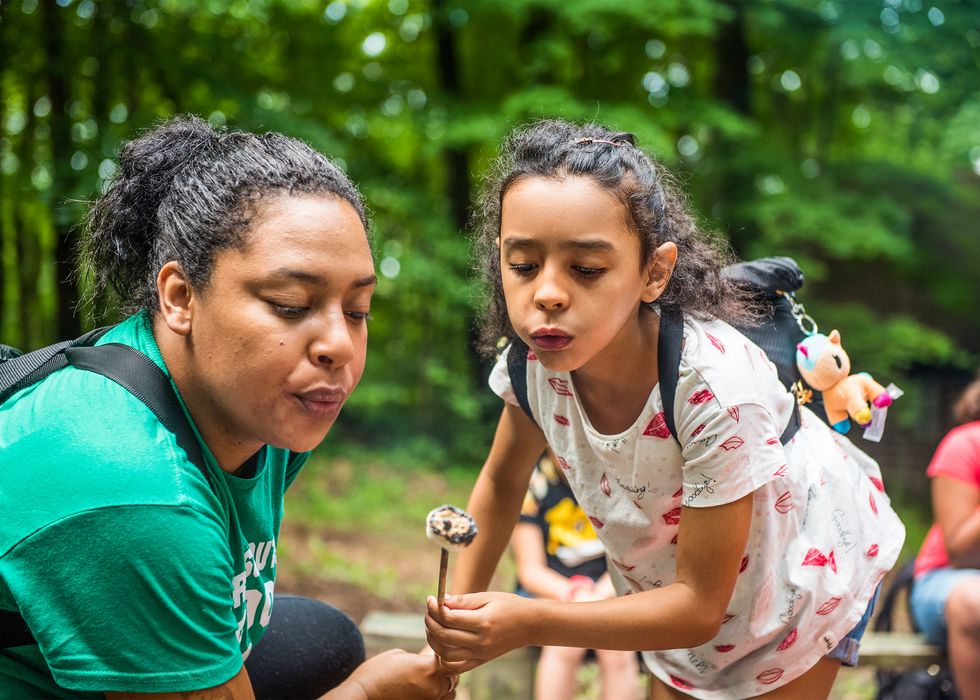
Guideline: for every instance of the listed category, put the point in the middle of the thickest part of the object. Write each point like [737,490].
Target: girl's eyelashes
[522,269]
[589,271]
[360,316]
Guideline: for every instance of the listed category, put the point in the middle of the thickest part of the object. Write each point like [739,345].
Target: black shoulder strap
[517,369]
[668,366]
[23,370]
[901,582]
[124,365]
[669,343]
[140,376]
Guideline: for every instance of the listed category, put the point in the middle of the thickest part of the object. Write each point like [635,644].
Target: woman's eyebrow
[288,273]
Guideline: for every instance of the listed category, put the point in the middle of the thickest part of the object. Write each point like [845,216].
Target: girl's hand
[475,628]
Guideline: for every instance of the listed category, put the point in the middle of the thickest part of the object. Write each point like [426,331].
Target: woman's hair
[654,208]
[967,406]
[185,191]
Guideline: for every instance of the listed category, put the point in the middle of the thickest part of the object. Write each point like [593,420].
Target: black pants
[309,648]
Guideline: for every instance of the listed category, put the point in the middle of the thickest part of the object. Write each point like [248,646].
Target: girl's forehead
[573,207]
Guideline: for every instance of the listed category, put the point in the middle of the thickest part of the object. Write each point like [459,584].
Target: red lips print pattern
[681,683]
[771,676]
[814,557]
[732,443]
[672,516]
[657,427]
[560,386]
[699,397]
[604,485]
[717,343]
[829,606]
[561,420]
[788,641]
[784,504]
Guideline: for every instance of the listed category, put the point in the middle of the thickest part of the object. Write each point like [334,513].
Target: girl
[245,263]
[744,566]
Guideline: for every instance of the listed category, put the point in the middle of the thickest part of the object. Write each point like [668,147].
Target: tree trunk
[56,68]
[732,87]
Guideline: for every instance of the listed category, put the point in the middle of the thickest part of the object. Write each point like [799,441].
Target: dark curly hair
[654,206]
[185,191]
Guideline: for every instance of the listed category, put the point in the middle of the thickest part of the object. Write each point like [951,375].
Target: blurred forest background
[845,134]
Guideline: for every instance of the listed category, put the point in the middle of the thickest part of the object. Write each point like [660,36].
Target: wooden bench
[512,675]
[899,650]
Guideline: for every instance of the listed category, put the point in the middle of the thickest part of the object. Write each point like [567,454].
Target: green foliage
[842,133]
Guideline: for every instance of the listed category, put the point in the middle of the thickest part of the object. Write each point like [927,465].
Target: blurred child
[559,557]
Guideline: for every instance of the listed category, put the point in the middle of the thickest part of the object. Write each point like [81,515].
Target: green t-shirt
[132,573]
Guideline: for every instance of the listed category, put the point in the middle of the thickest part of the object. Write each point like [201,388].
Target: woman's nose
[333,344]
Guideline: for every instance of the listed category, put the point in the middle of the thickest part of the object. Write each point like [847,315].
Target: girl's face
[571,269]
[277,340]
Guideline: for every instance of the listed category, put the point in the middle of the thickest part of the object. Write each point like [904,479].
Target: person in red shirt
[946,593]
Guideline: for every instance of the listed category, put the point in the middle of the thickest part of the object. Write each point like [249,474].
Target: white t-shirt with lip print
[823,532]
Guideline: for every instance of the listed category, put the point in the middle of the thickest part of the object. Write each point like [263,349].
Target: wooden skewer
[443,568]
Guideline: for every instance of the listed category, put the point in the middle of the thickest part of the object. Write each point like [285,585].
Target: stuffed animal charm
[825,366]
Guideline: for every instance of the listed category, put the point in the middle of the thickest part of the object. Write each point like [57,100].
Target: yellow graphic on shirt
[568,526]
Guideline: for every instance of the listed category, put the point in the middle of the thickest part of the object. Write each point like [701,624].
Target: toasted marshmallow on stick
[452,529]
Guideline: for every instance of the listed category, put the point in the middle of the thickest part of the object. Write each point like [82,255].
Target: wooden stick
[443,568]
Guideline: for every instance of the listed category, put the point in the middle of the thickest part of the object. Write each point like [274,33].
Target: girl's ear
[176,298]
[658,271]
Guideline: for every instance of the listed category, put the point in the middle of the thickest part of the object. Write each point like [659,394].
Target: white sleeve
[729,451]
[499,380]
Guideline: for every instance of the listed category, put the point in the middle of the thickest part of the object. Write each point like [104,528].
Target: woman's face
[278,337]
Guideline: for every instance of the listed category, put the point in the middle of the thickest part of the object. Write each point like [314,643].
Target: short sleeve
[129,598]
[957,457]
[499,380]
[729,451]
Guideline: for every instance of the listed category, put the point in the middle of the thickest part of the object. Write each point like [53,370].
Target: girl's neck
[615,385]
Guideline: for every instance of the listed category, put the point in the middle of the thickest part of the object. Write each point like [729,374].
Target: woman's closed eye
[288,312]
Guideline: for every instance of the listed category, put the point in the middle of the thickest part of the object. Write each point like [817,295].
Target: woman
[246,267]
[946,593]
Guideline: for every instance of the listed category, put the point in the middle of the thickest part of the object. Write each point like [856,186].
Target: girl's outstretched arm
[496,500]
[472,629]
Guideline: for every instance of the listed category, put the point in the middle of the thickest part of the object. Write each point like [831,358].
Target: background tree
[844,134]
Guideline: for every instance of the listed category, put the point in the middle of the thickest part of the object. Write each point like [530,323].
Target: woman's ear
[176,297]
[658,271]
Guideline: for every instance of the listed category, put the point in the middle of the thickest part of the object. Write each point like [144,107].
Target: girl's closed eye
[589,272]
[521,268]
[360,316]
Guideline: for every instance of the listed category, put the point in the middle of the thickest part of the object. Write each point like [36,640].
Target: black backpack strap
[902,581]
[517,369]
[669,347]
[129,368]
[669,360]
[140,376]
[23,370]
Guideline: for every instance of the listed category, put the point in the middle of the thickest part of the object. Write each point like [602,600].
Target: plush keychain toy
[825,366]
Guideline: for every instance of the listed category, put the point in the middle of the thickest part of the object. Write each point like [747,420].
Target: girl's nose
[333,344]
[550,293]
